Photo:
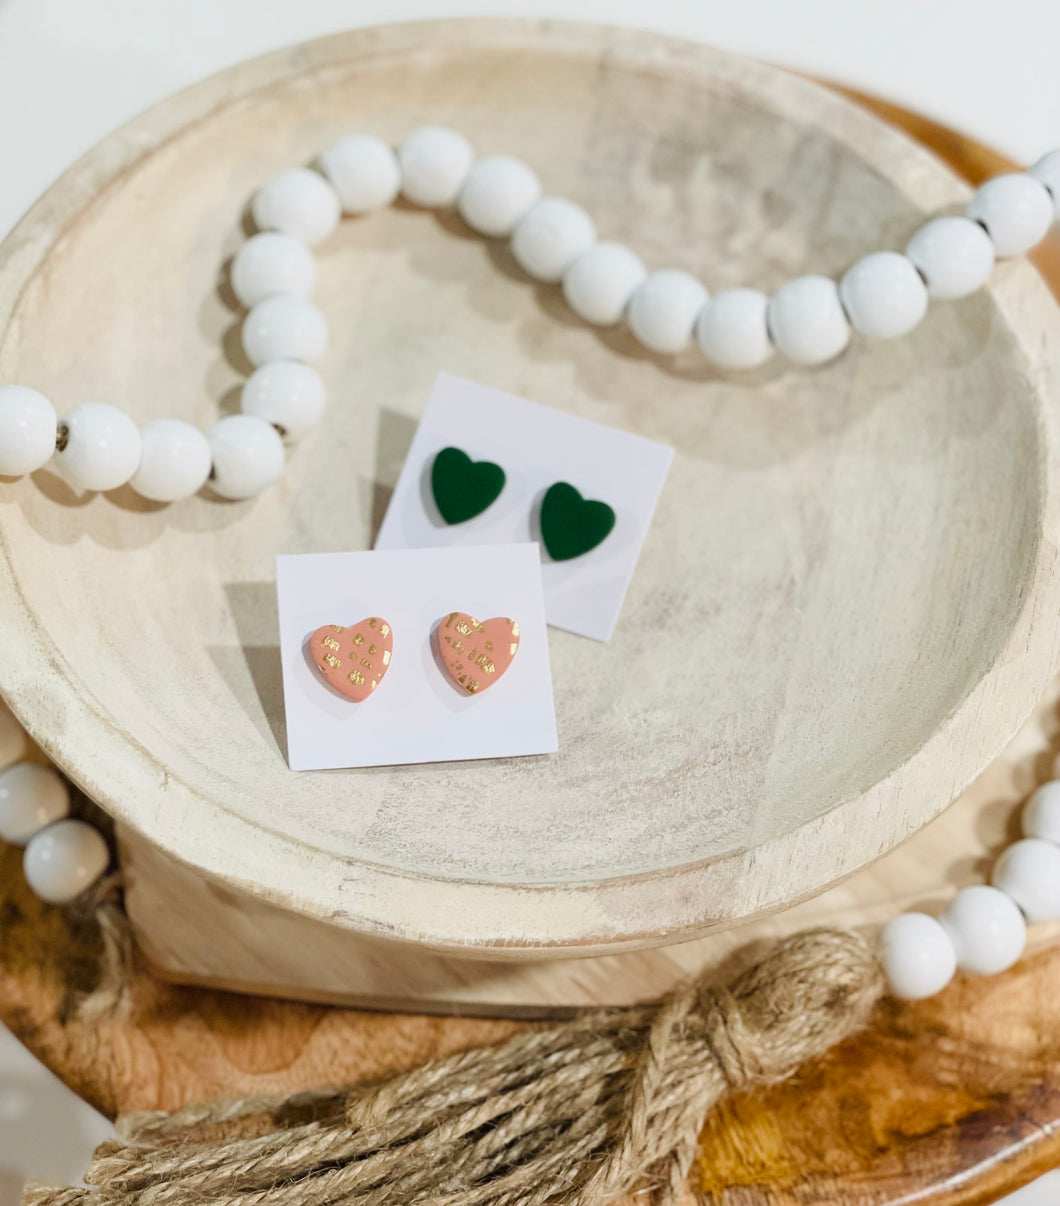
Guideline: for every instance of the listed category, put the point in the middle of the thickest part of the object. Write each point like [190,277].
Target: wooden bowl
[862,558]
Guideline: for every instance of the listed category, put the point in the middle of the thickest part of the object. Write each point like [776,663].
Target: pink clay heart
[353,660]
[476,653]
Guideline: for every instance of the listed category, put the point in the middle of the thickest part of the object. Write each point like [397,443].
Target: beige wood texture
[848,602]
[194,931]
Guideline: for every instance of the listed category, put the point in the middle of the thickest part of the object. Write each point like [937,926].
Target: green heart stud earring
[572,525]
[464,488]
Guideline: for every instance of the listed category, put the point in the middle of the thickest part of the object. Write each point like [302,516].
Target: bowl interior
[839,556]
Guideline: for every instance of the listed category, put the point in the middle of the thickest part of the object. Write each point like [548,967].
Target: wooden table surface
[950,1102]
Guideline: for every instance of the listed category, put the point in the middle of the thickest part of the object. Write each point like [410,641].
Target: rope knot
[580,1112]
[795,1004]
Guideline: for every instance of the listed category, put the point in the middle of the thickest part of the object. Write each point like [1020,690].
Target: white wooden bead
[599,284]
[806,320]
[498,193]
[284,327]
[1047,170]
[733,329]
[434,163]
[1017,211]
[299,203]
[917,956]
[31,796]
[1029,872]
[65,860]
[664,309]
[286,394]
[14,744]
[247,456]
[28,426]
[551,237]
[271,263]
[100,447]
[363,170]
[175,461]
[987,930]
[883,295]
[1041,814]
[955,255]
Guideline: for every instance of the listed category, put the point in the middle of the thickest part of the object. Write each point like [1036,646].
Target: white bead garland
[883,295]
[808,319]
[271,263]
[28,426]
[498,193]
[551,237]
[287,394]
[987,929]
[174,461]
[600,283]
[1041,816]
[733,329]
[99,447]
[65,860]
[664,310]
[363,171]
[284,327]
[1016,210]
[917,956]
[299,203]
[434,163]
[31,796]
[1029,872]
[247,456]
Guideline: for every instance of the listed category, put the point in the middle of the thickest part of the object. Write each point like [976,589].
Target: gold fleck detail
[472,686]
[512,647]
[371,650]
[463,629]
[337,628]
[372,622]
[356,677]
[366,663]
[386,657]
[331,643]
[385,630]
[332,660]
[489,667]
[489,646]
[515,627]
[359,639]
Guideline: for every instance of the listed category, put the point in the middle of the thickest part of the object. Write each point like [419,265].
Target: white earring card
[417,713]
[537,447]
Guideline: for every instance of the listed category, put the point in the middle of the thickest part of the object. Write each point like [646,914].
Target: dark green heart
[572,525]
[464,488]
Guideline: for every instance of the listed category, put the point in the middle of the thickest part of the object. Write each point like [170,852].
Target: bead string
[807,320]
[64,857]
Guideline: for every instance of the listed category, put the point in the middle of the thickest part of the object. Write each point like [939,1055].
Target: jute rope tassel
[571,1115]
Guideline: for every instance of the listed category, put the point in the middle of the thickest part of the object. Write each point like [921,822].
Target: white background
[70,70]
